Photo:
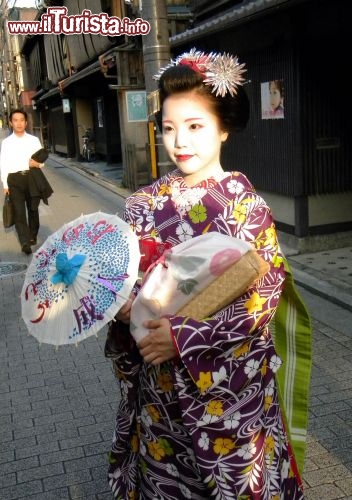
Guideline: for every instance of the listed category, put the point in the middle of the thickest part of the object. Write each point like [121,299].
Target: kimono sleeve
[205,345]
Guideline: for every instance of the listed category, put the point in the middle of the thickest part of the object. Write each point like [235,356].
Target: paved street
[57,407]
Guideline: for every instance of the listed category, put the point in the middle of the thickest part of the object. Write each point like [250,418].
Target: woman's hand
[124,313]
[157,346]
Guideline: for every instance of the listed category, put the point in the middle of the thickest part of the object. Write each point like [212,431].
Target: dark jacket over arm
[39,186]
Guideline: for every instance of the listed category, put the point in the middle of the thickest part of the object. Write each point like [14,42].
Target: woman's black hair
[279,84]
[232,112]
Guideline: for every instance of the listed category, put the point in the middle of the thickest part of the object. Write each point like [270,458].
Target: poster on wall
[272,99]
[100,112]
[136,106]
[66,108]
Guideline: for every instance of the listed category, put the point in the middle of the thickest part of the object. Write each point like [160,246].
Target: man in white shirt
[15,162]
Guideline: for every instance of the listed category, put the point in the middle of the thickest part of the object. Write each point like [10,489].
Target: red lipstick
[183,157]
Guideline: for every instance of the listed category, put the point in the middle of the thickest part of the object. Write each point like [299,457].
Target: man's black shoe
[26,249]
[33,241]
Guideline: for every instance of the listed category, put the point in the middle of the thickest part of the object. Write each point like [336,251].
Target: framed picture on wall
[136,106]
[272,99]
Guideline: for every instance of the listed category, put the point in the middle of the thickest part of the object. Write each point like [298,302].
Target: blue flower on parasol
[67,269]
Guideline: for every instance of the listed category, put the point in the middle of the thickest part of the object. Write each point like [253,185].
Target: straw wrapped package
[196,278]
[227,287]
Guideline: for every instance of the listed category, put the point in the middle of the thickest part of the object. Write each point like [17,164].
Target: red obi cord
[151,251]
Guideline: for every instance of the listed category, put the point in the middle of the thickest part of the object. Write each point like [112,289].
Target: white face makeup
[192,136]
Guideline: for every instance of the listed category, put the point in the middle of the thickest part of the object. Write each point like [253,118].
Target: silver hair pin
[222,72]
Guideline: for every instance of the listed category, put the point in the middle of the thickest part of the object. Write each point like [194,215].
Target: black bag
[7,212]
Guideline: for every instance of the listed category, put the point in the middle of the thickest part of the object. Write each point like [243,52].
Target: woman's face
[192,136]
[275,96]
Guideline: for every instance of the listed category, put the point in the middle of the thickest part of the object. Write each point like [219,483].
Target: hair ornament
[222,72]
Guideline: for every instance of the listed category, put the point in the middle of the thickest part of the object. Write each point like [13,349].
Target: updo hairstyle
[232,112]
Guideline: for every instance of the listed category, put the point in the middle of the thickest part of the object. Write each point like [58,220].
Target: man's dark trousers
[24,205]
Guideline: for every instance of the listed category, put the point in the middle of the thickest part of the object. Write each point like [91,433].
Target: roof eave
[238,15]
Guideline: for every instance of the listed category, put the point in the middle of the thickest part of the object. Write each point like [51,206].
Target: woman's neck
[195,178]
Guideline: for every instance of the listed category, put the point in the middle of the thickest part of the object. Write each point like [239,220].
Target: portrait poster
[272,99]
[136,106]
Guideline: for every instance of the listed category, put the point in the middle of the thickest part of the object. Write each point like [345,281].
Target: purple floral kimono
[208,424]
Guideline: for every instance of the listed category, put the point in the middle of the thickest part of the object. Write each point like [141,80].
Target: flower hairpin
[222,72]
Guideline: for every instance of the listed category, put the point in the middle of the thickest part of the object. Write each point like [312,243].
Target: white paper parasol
[79,278]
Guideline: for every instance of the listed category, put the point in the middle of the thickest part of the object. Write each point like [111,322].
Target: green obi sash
[292,333]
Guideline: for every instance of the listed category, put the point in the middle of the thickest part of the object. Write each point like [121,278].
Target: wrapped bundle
[196,278]
[227,287]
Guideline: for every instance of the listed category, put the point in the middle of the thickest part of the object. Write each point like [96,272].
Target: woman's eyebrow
[195,118]
[187,120]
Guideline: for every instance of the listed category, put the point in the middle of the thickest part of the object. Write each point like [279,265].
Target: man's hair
[18,110]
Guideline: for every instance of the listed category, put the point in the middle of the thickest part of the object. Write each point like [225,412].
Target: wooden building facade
[302,161]
[80,82]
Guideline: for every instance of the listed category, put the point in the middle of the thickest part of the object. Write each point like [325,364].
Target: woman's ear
[224,136]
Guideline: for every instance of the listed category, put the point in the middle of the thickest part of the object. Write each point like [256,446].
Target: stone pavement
[57,406]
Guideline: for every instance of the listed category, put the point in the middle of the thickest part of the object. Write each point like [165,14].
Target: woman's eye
[167,128]
[194,126]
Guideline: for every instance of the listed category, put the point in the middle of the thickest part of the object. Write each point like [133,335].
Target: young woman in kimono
[199,415]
